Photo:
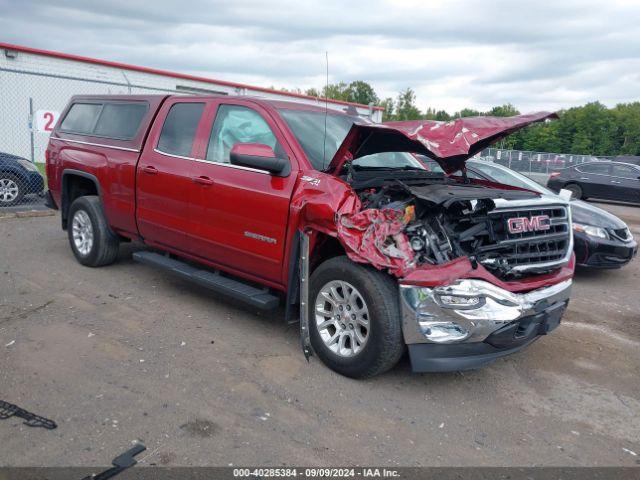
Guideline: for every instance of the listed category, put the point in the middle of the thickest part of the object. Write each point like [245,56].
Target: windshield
[508,177]
[309,126]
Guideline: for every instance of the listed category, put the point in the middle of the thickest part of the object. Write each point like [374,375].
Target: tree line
[590,129]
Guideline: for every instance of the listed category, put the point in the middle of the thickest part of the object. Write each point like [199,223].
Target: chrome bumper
[469,310]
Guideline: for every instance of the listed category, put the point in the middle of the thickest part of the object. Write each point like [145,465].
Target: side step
[256,297]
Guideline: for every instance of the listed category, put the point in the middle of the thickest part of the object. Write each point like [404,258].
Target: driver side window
[236,124]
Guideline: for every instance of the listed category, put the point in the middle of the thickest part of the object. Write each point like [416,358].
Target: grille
[526,251]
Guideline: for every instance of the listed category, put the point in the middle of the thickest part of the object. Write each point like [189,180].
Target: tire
[87,222]
[383,345]
[11,190]
[575,189]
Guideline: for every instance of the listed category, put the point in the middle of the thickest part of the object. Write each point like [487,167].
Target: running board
[256,297]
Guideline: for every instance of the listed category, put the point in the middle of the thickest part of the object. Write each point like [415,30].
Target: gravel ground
[126,353]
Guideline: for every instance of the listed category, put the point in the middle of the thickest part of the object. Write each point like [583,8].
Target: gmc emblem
[531,224]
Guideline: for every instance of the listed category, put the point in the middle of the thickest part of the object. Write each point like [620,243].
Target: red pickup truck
[270,202]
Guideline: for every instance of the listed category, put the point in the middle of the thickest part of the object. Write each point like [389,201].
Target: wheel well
[11,171]
[74,186]
[326,247]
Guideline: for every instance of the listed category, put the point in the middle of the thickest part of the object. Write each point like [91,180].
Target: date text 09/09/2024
[363,472]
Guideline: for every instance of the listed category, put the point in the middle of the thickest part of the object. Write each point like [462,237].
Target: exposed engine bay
[434,222]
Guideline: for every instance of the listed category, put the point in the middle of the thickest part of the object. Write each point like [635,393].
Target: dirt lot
[126,352]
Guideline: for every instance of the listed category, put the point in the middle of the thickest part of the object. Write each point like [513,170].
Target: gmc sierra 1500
[263,200]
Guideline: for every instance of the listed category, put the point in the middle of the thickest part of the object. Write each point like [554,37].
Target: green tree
[442,115]
[466,112]
[433,114]
[595,129]
[406,108]
[336,91]
[389,109]
[360,91]
[627,120]
[506,110]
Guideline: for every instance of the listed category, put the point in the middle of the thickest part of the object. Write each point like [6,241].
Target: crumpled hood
[448,143]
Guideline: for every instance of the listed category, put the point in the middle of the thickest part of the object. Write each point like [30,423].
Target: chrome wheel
[342,318]
[82,231]
[9,190]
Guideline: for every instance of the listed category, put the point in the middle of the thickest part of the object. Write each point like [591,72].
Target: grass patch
[42,169]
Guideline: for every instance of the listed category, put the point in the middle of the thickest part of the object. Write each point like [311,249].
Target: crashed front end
[483,269]
[468,271]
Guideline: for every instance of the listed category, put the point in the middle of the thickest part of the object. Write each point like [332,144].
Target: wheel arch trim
[64,201]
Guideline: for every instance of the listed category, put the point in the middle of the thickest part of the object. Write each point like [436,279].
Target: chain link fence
[528,162]
[535,165]
[31,101]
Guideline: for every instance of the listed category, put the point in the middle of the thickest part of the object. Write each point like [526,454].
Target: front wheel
[354,318]
[11,190]
[576,190]
[91,240]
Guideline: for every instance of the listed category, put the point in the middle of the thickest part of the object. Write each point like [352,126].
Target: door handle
[150,170]
[584,178]
[614,181]
[203,180]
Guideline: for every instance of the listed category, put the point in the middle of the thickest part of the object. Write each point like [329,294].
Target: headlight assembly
[591,230]
[28,165]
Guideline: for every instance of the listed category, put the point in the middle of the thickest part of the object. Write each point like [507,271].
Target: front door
[240,214]
[625,181]
[164,175]
[594,178]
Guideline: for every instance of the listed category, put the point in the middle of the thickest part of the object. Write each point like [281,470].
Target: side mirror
[565,194]
[258,156]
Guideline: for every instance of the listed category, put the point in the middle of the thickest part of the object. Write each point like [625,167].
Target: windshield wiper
[375,168]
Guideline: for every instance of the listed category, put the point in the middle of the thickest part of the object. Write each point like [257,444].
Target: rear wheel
[91,240]
[575,189]
[11,190]
[354,318]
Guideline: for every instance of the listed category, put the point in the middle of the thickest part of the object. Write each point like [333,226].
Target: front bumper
[473,322]
[34,183]
[603,253]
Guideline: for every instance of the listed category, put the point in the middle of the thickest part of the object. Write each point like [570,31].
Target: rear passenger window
[599,168]
[81,118]
[120,120]
[625,171]
[179,129]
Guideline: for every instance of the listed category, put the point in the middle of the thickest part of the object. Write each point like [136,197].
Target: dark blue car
[18,177]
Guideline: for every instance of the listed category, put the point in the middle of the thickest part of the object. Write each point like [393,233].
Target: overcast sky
[537,55]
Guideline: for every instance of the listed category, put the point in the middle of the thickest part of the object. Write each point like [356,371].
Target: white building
[35,86]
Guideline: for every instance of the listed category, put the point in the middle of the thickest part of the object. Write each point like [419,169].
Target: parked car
[601,240]
[261,200]
[18,177]
[606,180]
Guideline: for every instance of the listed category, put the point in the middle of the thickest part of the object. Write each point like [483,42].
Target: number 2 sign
[46,120]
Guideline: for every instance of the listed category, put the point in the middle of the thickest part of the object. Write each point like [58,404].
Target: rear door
[595,178]
[164,174]
[240,214]
[625,182]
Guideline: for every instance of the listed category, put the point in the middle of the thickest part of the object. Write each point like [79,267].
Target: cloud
[455,54]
